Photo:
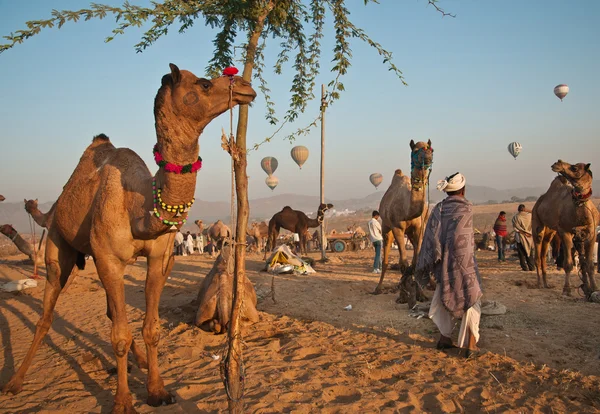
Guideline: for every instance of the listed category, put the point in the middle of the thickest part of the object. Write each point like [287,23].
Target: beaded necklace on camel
[156,192]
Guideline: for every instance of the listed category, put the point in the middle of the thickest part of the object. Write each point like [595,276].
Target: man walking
[522,224]
[501,232]
[448,251]
[376,239]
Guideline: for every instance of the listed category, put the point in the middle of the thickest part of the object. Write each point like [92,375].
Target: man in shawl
[522,225]
[448,251]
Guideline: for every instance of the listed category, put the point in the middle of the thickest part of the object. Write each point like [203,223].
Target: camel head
[199,224]
[31,205]
[2,198]
[579,175]
[186,99]
[421,161]
[321,211]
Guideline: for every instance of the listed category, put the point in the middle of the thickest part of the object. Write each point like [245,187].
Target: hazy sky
[476,83]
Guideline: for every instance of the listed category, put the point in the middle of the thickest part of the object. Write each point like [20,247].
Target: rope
[35,250]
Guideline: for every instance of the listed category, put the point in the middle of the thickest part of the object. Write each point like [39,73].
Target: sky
[476,82]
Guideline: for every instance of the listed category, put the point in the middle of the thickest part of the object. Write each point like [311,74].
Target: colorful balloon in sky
[376,179]
[515,149]
[272,182]
[300,155]
[269,165]
[561,91]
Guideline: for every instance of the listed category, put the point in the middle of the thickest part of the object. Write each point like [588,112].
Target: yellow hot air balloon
[300,155]
[376,179]
[269,165]
[272,182]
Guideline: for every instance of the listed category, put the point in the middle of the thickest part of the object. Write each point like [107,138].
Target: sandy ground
[308,354]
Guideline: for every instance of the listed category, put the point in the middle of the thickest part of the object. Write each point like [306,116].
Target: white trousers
[445,322]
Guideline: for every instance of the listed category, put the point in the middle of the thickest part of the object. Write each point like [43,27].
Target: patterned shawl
[448,251]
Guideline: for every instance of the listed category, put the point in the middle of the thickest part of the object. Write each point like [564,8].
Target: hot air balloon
[561,91]
[269,165]
[376,179]
[515,149]
[300,155]
[272,182]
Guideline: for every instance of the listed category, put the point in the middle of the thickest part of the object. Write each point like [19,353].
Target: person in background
[377,239]
[179,243]
[448,251]
[200,243]
[189,243]
[296,240]
[522,224]
[501,232]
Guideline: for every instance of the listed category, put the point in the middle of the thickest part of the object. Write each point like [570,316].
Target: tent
[282,258]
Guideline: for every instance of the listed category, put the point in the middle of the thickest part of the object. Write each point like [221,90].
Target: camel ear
[37,199]
[175,73]
[25,200]
[329,205]
[429,143]
[412,144]
[587,167]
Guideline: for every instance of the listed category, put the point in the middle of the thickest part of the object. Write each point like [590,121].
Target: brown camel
[566,209]
[217,233]
[259,232]
[23,245]
[215,297]
[42,219]
[296,222]
[113,209]
[2,198]
[200,225]
[403,209]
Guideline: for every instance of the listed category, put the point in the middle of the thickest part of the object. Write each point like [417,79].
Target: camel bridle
[418,160]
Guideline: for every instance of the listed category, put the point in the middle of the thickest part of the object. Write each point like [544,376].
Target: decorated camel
[403,210]
[259,232]
[113,209]
[41,219]
[566,209]
[296,222]
[215,297]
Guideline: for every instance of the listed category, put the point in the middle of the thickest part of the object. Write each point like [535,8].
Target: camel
[403,209]
[2,198]
[259,232]
[296,222]
[113,209]
[217,233]
[215,297]
[23,245]
[566,209]
[200,225]
[41,219]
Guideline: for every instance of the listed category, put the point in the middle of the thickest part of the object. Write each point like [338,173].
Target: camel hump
[101,137]
[398,172]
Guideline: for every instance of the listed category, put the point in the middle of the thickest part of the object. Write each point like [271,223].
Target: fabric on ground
[283,256]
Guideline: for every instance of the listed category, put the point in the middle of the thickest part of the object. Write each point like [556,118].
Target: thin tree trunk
[233,364]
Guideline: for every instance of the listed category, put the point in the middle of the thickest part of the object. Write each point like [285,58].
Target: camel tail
[80,262]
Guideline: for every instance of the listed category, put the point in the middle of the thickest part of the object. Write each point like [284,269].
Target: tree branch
[439,9]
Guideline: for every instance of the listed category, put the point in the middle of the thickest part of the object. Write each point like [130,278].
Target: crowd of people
[188,243]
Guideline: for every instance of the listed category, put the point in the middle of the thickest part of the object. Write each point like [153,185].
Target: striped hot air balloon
[376,179]
[269,165]
[299,155]
[515,149]
[561,91]
[272,182]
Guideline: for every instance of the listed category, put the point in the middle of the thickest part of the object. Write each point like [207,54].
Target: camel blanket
[522,224]
[448,251]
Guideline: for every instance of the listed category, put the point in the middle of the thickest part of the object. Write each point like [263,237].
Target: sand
[308,354]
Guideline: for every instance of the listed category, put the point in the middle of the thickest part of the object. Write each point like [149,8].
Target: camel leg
[60,260]
[587,267]
[567,246]
[138,353]
[155,281]
[110,270]
[545,244]
[302,244]
[415,238]
[408,293]
[387,246]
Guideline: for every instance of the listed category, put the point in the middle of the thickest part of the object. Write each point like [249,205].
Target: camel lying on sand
[113,209]
[566,209]
[215,297]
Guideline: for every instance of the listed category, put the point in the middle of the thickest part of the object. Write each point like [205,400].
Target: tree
[256,21]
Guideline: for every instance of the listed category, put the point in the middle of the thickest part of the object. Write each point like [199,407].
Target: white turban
[452,183]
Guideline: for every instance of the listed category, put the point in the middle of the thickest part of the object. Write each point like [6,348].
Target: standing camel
[260,233]
[113,209]
[296,222]
[566,209]
[42,219]
[403,208]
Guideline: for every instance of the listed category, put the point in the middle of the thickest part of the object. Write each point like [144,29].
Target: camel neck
[417,203]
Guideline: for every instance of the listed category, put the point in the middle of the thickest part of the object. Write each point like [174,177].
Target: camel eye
[204,84]
[573,168]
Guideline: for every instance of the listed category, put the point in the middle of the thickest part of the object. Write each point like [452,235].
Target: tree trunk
[23,246]
[233,363]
